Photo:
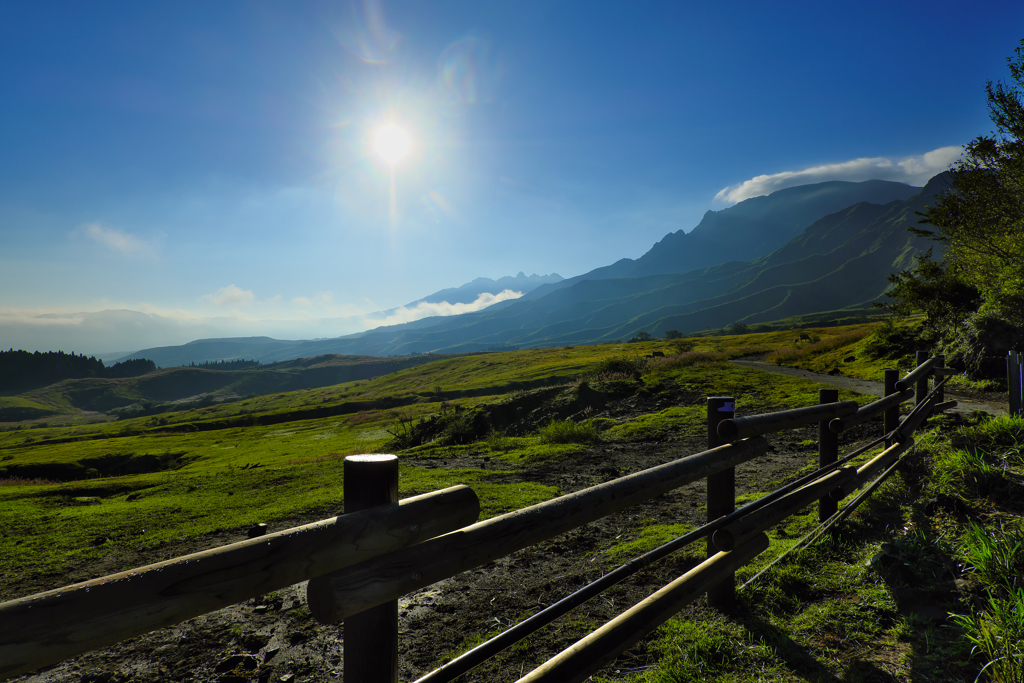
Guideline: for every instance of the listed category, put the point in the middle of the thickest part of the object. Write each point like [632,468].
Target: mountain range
[797,251]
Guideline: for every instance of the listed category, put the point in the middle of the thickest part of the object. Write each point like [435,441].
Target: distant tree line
[226,364]
[21,370]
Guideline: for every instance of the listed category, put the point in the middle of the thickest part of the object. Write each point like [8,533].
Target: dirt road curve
[993,404]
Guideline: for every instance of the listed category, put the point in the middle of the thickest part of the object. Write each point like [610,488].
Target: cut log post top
[386,578]
[921,371]
[46,628]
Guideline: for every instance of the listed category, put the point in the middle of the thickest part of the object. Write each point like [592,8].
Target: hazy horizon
[214,167]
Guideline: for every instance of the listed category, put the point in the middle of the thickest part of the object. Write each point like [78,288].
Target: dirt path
[273,638]
[987,403]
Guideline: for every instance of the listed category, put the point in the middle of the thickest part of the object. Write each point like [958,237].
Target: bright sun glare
[392,143]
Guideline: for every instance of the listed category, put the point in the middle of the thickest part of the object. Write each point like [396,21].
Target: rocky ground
[274,638]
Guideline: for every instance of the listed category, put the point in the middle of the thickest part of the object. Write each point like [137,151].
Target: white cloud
[318,300]
[118,240]
[123,326]
[424,309]
[913,170]
[231,295]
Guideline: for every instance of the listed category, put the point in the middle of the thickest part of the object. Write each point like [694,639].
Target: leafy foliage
[945,299]
[974,299]
[893,341]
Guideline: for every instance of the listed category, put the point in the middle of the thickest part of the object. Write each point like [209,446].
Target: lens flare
[392,143]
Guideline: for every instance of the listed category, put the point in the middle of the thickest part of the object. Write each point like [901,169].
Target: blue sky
[211,165]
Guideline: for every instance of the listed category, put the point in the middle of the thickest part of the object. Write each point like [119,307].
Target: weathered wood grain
[386,578]
[48,627]
[579,661]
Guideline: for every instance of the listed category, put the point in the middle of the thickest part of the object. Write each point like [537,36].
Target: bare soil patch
[273,638]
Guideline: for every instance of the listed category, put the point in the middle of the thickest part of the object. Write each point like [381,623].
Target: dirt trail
[987,402]
[273,638]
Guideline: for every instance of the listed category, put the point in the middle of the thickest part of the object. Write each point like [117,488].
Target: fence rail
[1015,382]
[46,628]
[361,560]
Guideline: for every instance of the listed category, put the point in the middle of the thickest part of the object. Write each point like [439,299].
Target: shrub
[895,342]
[618,368]
[790,355]
[498,441]
[567,431]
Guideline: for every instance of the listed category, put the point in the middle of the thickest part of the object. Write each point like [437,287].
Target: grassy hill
[521,427]
[840,261]
[171,389]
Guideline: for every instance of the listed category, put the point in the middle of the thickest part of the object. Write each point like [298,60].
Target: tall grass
[787,354]
[996,634]
[567,431]
[700,359]
[994,557]
[1002,436]
[964,472]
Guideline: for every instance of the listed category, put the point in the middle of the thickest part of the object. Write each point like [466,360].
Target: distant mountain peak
[470,291]
[759,225]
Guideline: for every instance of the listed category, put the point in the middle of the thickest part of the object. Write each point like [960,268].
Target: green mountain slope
[840,261]
[829,253]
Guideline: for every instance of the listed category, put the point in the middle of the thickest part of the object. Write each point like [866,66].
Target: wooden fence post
[1014,383]
[721,494]
[828,452]
[371,637]
[940,395]
[891,416]
[921,390]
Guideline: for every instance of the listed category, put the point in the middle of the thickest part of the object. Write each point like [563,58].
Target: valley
[86,500]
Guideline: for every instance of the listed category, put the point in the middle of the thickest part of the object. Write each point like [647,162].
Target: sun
[392,143]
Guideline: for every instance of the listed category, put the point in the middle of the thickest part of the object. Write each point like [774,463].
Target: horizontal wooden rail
[945,405]
[385,578]
[756,425]
[920,372]
[579,661]
[866,412]
[869,469]
[909,424]
[48,627]
[748,526]
[947,372]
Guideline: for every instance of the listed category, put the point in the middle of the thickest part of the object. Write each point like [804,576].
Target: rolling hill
[796,251]
[842,260]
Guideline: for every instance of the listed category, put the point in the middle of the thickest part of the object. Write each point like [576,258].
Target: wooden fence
[358,564]
[1015,382]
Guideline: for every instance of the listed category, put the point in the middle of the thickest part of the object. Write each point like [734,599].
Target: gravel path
[964,404]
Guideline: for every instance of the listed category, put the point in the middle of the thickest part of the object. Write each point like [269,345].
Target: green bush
[896,342]
[816,348]
[618,367]
[567,431]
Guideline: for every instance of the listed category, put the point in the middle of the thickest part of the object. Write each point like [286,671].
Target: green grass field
[77,494]
[99,488]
